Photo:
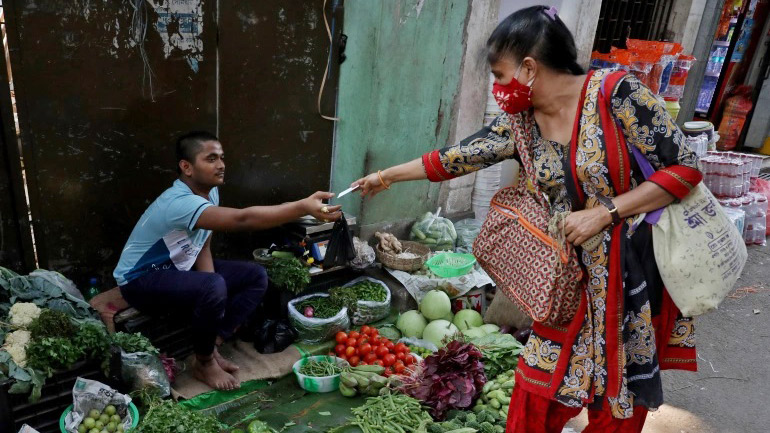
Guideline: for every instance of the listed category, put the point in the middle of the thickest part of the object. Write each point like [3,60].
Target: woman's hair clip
[551,12]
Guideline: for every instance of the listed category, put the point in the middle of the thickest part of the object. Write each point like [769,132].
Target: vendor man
[155,272]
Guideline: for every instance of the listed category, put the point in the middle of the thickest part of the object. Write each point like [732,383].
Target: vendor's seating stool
[170,335]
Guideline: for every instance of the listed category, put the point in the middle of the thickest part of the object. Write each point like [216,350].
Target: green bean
[315,368]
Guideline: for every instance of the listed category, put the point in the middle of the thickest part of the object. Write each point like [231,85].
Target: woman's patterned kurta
[627,329]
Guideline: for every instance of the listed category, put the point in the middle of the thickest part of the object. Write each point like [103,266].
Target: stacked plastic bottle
[729,177]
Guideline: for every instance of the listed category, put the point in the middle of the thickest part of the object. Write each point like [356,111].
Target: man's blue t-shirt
[164,237]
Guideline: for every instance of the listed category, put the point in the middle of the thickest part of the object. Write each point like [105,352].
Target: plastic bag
[274,336]
[763,187]
[467,231]
[340,250]
[312,330]
[364,254]
[434,231]
[90,394]
[142,370]
[370,311]
[414,341]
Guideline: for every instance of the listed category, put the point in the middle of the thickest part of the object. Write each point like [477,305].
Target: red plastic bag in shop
[737,107]
[763,187]
[654,62]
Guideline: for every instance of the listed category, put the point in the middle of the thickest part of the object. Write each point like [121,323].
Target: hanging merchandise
[737,107]
[679,73]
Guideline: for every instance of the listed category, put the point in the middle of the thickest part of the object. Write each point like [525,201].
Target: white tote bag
[699,251]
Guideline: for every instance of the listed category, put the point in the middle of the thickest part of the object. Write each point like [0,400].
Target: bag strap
[607,86]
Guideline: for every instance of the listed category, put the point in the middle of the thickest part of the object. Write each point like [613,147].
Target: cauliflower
[18,354]
[18,338]
[16,345]
[23,313]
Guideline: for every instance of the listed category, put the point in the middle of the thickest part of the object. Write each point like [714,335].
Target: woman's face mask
[514,97]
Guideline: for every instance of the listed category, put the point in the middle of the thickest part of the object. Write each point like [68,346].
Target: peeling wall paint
[180,24]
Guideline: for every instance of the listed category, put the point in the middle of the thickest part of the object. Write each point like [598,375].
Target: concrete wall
[399,96]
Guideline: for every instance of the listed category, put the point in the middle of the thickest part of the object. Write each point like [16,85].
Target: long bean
[315,368]
[410,415]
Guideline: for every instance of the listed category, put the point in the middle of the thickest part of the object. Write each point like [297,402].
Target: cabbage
[438,330]
[435,305]
[411,324]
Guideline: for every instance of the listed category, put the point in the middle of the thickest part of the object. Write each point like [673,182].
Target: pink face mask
[513,97]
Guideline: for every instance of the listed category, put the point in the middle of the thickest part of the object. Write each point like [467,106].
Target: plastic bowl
[449,265]
[131,409]
[318,384]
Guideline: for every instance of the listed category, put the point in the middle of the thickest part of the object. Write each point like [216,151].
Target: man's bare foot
[209,372]
[226,365]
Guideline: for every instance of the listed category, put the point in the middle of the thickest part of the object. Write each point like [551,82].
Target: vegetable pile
[368,348]
[288,273]
[363,291]
[320,368]
[319,307]
[451,379]
[468,422]
[44,329]
[500,352]
[364,379]
[107,421]
[164,416]
[436,232]
[496,395]
[391,413]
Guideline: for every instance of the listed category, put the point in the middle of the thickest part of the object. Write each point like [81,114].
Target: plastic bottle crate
[43,415]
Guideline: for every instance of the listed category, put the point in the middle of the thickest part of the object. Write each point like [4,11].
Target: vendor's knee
[258,275]
[213,294]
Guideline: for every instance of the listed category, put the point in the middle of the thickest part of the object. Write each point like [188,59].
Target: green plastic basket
[449,265]
[131,408]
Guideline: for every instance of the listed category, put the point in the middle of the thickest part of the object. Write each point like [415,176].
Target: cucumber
[418,233]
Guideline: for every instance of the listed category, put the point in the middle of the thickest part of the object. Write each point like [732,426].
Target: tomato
[341,337]
[400,356]
[380,363]
[409,360]
[362,341]
[390,345]
[339,349]
[354,334]
[399,367]
[401,347]
[351,342]
[381,351]
[366,330]
[374,333]
[370,358]
[364,349]
[350,351]
[354,360]
[389,359]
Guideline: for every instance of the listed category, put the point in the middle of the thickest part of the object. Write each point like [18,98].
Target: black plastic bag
[340,250]
[274,336]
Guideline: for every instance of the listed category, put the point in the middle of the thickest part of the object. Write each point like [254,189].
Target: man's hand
[581,225]
[315,206]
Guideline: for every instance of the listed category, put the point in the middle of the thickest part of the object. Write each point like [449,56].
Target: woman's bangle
[379,174]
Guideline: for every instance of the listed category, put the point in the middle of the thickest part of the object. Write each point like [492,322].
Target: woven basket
[409,265]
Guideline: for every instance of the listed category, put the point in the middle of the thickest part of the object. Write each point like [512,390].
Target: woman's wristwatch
[613,210]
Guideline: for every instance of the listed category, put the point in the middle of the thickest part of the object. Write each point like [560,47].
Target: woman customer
[608,358]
